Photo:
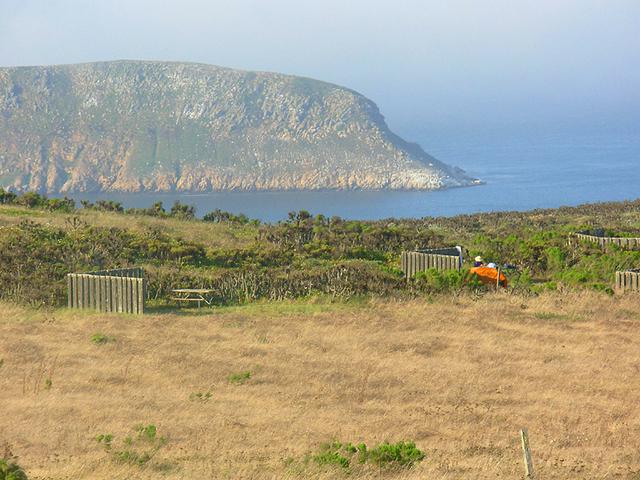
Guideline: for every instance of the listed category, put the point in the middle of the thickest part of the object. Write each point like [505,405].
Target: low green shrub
[331,454]
[435,281]
[401,454]
[221,216]
[137,450]
[11,471]
[100,338]
[200,397]
[239,378]
[386,455]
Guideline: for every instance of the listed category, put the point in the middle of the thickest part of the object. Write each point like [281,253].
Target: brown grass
[459,377]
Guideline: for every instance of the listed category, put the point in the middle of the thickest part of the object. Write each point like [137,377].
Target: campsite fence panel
[623,242]
[414,262]
[628,281]
[135,272]
[122,291]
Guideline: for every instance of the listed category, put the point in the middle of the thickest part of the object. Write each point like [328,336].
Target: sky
[433,67]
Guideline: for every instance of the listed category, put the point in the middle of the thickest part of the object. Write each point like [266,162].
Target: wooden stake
[528,463]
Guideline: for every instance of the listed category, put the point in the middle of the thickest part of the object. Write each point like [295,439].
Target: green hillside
[157,126]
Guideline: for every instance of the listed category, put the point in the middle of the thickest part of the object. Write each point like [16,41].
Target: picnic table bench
[199,295]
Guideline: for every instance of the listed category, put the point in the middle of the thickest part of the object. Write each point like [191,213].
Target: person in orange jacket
[488,274]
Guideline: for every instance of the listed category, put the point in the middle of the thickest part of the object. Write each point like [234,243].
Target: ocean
[521,172]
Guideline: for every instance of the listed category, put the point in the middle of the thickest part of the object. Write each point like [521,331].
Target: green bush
[100,338]
[183,211]
[330,454]
[239,378]
[220,216]
[401,454]
[520,280]
[385,455]
[6,197]
[435,281]
[11,471]
[200,397]
[137,450]
[103,206]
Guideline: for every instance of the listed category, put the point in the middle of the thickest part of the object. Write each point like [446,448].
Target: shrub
[401,454]
[155,210]
[330,454]
[521,280]
[134,450]
[221,216]
[65,205]
[555,258]
[31,200]
[385,455]
[11,471]
[6,197]
[183,211]
[239,378]
[435,281]
[200,396]
[103,206]
[100,338]
[105,440]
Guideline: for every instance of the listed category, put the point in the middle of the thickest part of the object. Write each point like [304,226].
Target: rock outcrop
[132,126]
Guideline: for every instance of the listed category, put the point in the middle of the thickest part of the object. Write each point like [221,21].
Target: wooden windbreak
[623,242]
[628,281]
[440,259]
[121,291]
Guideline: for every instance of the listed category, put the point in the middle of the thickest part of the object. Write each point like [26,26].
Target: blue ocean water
[521,172]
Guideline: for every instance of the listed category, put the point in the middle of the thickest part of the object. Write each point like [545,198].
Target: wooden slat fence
[624,242]
[422,260]
[135,272]
[122,290]
[628,281]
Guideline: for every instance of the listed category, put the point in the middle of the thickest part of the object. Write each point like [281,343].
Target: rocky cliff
[156,126]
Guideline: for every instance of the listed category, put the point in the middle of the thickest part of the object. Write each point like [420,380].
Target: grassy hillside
[245,261]
[254,392]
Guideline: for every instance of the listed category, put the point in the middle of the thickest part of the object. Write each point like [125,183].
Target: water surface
[521,172]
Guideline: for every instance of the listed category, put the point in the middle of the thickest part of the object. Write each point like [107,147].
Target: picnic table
[199,295]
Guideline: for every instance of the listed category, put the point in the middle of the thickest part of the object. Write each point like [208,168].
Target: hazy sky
[432,66]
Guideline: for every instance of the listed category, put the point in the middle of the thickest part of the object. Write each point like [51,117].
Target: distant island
[133,126]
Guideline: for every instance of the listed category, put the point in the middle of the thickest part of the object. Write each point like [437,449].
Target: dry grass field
[459,376]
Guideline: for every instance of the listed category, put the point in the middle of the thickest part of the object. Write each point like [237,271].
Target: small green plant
[100,338]
[334,453]
[385,455]
[135,450]
[401,454]
[48,384]
[105,439]
[200,397]
[239,378]
[11,471]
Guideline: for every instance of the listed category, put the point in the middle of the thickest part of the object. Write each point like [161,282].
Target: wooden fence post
[69,291]
[528,463]
[142,293]
[76,291]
